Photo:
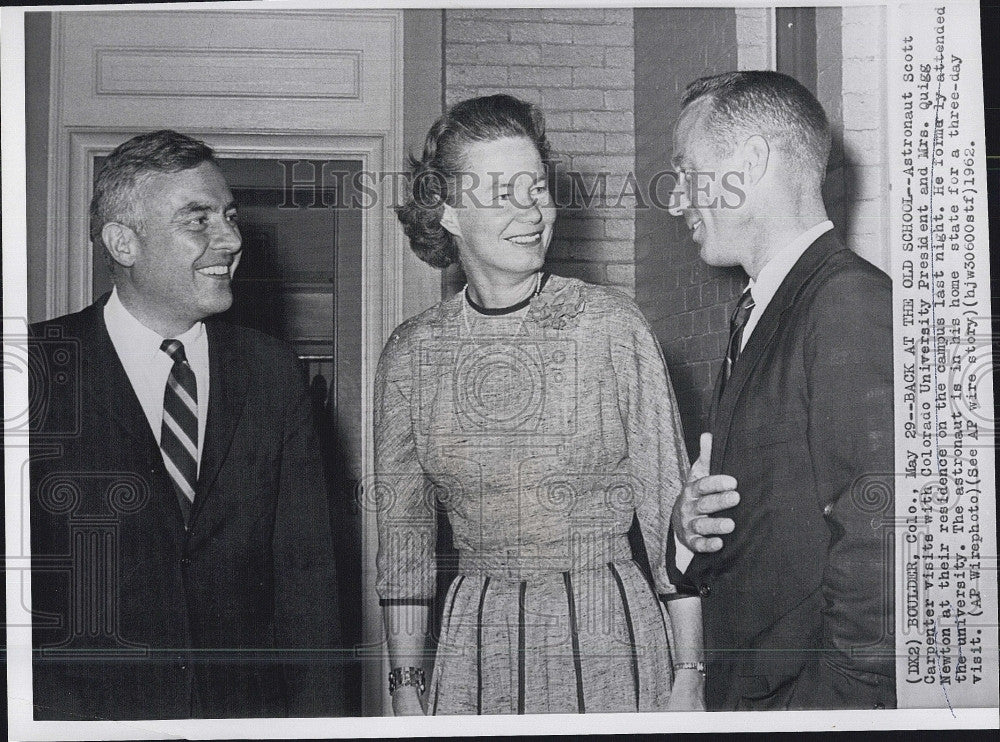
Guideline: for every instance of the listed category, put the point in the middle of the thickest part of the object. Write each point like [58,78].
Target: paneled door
[295,102]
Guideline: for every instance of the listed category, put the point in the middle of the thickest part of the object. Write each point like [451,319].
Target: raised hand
[703,495]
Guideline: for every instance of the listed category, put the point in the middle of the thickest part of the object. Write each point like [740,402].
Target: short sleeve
[403,500]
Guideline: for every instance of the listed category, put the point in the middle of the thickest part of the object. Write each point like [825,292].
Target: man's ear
[756,156]
[121,241]
[449,220]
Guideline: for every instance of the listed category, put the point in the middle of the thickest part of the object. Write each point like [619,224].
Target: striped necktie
[179,434]
[737,323]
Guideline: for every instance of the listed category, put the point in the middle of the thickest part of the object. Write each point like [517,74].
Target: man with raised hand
[796,570]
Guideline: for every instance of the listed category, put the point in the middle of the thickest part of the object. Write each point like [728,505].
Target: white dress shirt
[775,271]
[148,367]
[763,290]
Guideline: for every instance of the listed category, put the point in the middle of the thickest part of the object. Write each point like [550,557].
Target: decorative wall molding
[198,73]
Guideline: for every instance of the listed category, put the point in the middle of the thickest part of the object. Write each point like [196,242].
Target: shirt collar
[781,263]
[130,336]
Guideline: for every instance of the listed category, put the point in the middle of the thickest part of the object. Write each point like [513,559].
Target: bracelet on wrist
[400,676]
[699,666]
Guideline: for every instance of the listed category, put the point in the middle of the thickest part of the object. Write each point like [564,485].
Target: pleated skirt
[590,640]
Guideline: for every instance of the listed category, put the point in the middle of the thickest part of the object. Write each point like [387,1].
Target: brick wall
[849,46]
[590,69]
[577,64]
[686,301]
[829,86]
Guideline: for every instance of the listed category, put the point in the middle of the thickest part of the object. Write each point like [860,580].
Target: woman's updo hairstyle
[434,179]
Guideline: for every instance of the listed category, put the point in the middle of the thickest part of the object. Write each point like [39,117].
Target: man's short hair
[773,105]
[116,192]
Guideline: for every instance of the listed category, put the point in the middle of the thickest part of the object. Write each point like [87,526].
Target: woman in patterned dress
[535,410]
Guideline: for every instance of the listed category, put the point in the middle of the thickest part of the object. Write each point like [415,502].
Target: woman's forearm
[688,691]
[406,633]
[685,616]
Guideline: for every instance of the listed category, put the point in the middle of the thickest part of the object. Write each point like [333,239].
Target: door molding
[88,118]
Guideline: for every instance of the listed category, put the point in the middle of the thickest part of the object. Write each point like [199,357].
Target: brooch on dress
[558,310]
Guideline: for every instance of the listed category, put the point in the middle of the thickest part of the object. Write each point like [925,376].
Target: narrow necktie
[737,323]
[179,434]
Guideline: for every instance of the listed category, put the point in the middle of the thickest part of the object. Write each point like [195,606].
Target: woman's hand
[688,692]
[406,702]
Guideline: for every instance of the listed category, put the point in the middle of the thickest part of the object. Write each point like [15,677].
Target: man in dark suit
[798,597]
[182,560]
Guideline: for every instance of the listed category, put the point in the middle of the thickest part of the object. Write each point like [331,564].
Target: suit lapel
[713,408]
[107,386]
[763,335]
[228,379]
[105,381]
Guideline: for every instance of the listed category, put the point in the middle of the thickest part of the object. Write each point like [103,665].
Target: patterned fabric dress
[540,432]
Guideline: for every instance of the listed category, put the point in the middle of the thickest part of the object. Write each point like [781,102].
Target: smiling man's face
[188,247]
[716,220]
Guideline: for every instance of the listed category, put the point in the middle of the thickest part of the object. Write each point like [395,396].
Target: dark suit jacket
[798,604]
[136,617]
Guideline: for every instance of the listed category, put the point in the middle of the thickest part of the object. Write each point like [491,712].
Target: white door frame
[77,102]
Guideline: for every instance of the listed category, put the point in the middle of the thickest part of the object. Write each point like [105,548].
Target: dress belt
[535,561]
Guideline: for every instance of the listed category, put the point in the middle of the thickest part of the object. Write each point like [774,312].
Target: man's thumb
[700,467]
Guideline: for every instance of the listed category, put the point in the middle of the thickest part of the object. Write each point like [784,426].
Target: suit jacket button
[828,508]
[705,590]
[185,561]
